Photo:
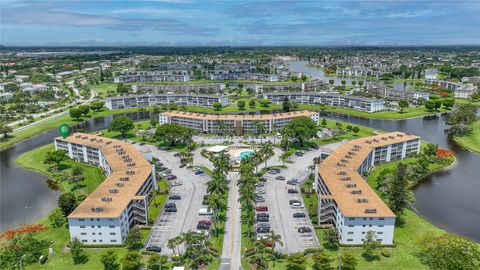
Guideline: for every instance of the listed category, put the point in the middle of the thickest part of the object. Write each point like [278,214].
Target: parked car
[259,199]
[262,219]
[292,191]
[202,226]
[198,172]
[262,179]
[161,169]
[204,221]
[171,177]
[304,230]
[293,182]
[263,230]
[296,205]
[170,205]
[293,201]
[176,183]
[299,215]
[195,169]
[154,249]
[182,165]
[280,177]
[170,210]
[315,147]
[262,208]
[259,185]
[159,163]
[259,191]
[262,215]
[272,172]
[299,153]
[205,212]
[176,154]
[175,197]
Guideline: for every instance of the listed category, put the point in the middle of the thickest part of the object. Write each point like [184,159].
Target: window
[350,225]
[363,225]
[112,233]
[111,226]
[93,226]
[83,240]
[381,218]
[94,241]
[350,232]
[91,219]
[83,233]
[93,233]
[99,226]
[81,219]
[350,240]
[113,241]
[98,219]
[99,233]
[379,232]
[82,227]
[351,218]
[380,225]
[101,241]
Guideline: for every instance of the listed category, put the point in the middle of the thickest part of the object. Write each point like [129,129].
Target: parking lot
[191,191]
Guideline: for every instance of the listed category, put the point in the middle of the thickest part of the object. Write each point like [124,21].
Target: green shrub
[386,254]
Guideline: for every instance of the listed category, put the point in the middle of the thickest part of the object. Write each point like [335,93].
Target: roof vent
[357,191]
[106,199]
[97,209]
[370,210]
[113,190]
[362,200]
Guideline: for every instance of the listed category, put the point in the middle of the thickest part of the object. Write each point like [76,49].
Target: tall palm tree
[260,127]
[274,238]
[172,244]
[283,157]
[266,152]
[217,184]
[215,203]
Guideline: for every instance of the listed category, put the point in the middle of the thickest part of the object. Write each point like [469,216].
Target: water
[300,66]
[24,194]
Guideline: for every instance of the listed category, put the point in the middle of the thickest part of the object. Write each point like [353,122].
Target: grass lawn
[388,115]
[472,140]
[467,101]
[103,88]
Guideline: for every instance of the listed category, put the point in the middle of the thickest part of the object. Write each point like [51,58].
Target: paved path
[232,239]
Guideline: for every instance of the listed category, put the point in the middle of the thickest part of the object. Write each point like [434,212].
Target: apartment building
[121,200]
[153,76]
[233,124]
[178,88]
[360,71]
[346,201]
[470,79]
[431,74]
[353,102]
[140,101]
[243,76]
[182,66]
[460,90]
[388,93]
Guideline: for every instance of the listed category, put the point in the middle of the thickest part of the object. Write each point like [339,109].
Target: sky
[239,22]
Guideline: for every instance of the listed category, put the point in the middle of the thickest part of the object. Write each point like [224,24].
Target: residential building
[431,74]
[460,90]
[346,201]
[233,124]
[353,102]
[382,91]
[33,87]
[121,200]
[154,76]
[243,76]
[140,101]
[471,80]
[178,88]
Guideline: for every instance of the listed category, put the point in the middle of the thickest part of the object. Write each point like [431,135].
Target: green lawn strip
[472,140]
[388,115]
[103,88]
[467,101]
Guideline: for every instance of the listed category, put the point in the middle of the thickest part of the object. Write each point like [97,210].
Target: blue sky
[189,22]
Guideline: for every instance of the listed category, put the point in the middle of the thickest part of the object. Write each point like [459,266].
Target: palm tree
[285,140]
[260,127]
[267,151]
[274,238]
[172,244]
[283,157]
[222,163]
[217,184]
[215,203]
[178,241]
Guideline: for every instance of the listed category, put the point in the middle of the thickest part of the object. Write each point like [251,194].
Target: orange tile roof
[226,117]
[350,191]
[130,170]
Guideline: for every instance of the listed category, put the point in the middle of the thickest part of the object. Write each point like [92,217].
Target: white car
[296,205]
[176,183]
[205,212]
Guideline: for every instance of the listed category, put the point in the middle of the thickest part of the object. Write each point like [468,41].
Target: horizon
[190,23]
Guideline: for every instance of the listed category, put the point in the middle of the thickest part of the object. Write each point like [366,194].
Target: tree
[97,105]
[293,78]
[430,150]
[430,105]
[301,128]
[398,193]
[448,103]
[55,157]
[123,89]
[67,202]
[331,238]
[296,261]
[449,251]
[252,103]
[402,104]
[286,104]
[122,124]
[173,134]
[354,83]
[132,261]
[339,125]
[324,122]
[133,238]
[274,239]
[79,256]
[109,260]
[370,245]
[85,109]
[22,247]
[461,118]
[355,130]
[438,104]
[265,103]
[4,129]
[347,261]
[156,262]
[217,106]
[321,261]
[241,104]
[153,121]
[360,83]
[57,219]
[265,152]
[304,77]
[344,82]
[174,106]
[171,244]
[75,113]
[332,82]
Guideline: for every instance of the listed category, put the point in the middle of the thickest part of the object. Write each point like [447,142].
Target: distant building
[178,88]
[154,76]
[243,76]
[431,74]
[471,80]
[388,93]
[460,90]
[33,87]
[140,101]
[232,124]
[345,200]
[336,100]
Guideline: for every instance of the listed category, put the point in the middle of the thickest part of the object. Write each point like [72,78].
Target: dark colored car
[175,197]
[262,219]
[299,215]
[259,199]
[299,153]
[176,154]
[304,230]
[262,179]
[154,249]
[293,182]
[208,222]
[280,177]
[294,201]
[161,169]
[263,230]
[262,208]
[170,210]
[171,177]
[170,205]
[198,172]
[182,165]
[315,147]
[262,215]
[202,226]
[292,191]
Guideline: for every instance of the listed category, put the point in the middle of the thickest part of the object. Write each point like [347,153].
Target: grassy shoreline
[471,141]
